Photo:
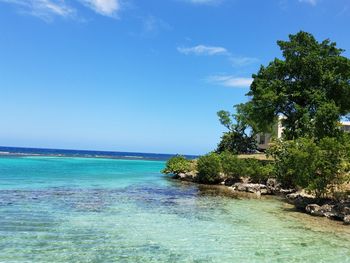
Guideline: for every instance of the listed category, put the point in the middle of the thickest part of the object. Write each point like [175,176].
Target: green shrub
[176,165]
[307,164]
[331,166]
[209,169]
[267,170]
[231,165]
[257,170]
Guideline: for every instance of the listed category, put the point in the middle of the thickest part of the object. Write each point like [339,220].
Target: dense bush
[176,165]
[257,170]
[234,168]
[209,169]
[231,165]
[304,163]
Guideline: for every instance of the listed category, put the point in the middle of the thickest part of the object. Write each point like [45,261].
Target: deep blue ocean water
[65,208]
[84,153]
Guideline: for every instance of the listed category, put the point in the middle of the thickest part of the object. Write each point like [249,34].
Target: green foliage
[307,164]
[176,165]
[330,169]
[231,165]
[225,119]
[240,137]
[295,161]
[266,171]
[258,171]
[327,121]
[236,143]
[310,87]
[209,169]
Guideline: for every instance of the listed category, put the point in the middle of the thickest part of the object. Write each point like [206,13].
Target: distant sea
[22,151]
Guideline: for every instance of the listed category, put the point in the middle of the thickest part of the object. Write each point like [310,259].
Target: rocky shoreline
[332,209]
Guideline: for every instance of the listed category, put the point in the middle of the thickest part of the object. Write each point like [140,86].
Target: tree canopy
[240,137]
[309,87]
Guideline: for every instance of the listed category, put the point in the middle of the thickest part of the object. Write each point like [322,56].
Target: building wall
[345,126]
[263,139]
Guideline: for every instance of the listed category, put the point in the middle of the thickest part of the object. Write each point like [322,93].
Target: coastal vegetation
[176,165]
[209,169]
[320,167]
[226,167]
[240,137]
[308,91]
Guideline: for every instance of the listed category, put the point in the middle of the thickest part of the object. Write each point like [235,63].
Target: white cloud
[203,50]
[237,61]
[230,81]
[48,9]
[44,9]
[103,7]
[311,2]
[243,61]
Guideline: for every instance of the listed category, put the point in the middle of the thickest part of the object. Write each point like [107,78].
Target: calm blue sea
[74,209]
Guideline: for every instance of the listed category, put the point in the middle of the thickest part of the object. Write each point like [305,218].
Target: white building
[264,139]
[345,126]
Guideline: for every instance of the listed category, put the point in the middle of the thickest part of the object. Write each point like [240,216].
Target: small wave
[131,156]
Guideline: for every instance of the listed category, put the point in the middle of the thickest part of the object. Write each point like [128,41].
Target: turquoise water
[102,210]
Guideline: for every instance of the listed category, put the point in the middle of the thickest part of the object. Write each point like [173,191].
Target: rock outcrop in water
[337,210]
[189,176]
[259,189]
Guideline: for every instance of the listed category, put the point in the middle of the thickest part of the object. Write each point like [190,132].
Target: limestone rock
[313,209]
[343,208]
[251,188]
[189,176]
[347,220]
[300,200]
[287,191]
[273,185]
[326,210]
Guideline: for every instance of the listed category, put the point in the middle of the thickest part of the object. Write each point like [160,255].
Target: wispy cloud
[242,61]
[203,50]
[236,61]
[44,9]
[49,9]
[230,81]
[311,2]
[103,7]
[153,25]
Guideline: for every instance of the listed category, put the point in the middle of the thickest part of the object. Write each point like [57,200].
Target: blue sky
[147,76]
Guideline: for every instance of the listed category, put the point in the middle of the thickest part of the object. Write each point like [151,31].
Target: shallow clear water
[101,210]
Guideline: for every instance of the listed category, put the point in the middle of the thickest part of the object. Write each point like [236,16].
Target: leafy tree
[209,169]
[312,78]
[326,121]
[240,137]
